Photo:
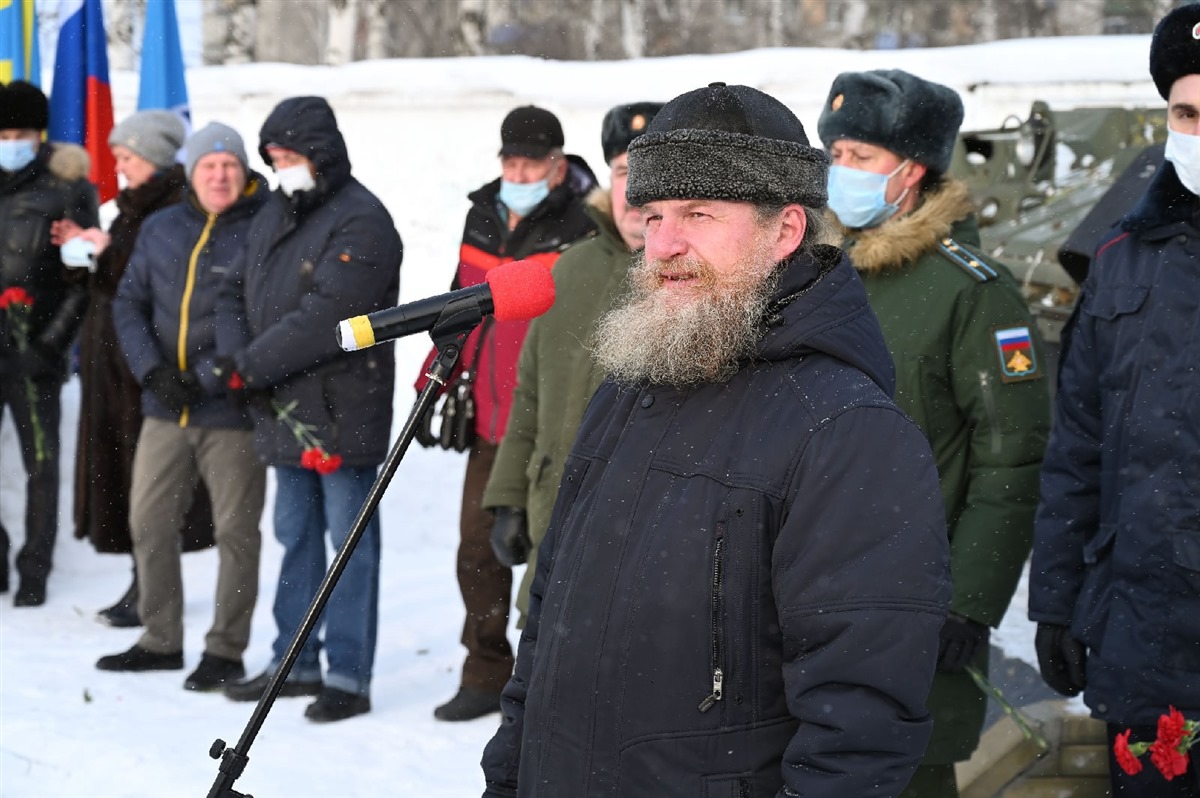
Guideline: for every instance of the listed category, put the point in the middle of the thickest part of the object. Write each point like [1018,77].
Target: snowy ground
[421,134]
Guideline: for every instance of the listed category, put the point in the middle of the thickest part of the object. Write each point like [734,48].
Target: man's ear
[560,170]
[915,174]
[793,223]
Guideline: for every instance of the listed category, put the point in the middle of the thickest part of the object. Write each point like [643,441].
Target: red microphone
[514,291]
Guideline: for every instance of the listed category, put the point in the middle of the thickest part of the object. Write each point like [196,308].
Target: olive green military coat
[556,378]
[970,370]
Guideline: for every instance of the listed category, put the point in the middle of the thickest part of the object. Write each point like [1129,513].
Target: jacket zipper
[989,406]
[718,675]
[185,303]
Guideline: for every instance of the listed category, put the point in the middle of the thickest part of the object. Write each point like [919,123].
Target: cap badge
[1196,31]
[637,123]
[837,102]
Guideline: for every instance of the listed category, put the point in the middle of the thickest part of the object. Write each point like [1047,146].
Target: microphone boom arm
[454,325]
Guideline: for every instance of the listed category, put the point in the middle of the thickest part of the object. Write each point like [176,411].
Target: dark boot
[141,659]
[30,593]
[254,689]
[334,704]
[214,672]
[468,704]
[123,614]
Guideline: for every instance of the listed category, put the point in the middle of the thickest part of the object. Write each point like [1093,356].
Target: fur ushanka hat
[23,106]
[726,143]
[890,108]
[1175,48]
[624,123]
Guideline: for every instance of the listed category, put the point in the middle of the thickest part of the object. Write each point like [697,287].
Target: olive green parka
[970,371]
[556,378]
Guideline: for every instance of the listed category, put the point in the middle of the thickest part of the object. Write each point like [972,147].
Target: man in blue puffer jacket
[324,249]
[746,570]
[165,317]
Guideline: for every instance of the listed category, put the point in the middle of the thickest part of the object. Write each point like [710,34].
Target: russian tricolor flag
[1013,339]
[80,99]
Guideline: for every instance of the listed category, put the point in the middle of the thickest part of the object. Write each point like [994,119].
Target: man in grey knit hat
[194,429]
[746,568]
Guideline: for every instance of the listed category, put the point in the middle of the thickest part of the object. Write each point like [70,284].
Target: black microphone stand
[457,320]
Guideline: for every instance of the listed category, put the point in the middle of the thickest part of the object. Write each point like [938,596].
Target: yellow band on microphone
[364,334]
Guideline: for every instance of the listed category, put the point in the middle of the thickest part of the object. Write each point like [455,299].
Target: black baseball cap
[530,132]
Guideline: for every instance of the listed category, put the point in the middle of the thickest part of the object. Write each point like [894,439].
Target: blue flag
[19,52]
[162,83]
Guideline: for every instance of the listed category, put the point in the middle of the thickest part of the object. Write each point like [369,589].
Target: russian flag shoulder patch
[1014,348]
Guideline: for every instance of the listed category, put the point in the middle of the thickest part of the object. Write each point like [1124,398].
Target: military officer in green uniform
[969,364]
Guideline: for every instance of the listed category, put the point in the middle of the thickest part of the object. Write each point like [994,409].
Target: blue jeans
[307,505]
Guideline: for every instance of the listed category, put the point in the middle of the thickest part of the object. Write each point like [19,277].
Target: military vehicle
[1048,187]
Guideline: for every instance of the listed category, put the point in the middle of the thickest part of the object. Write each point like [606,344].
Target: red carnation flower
[1168,760]
[15,296]
[310,458]
[328,463]
[1171,728]
[1126,758]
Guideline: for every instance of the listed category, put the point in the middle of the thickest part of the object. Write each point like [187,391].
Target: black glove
[174,388]
[40,363]
[225,370]
[425,434]
[1061,658]
[510,536]
[961,639]
[231,381]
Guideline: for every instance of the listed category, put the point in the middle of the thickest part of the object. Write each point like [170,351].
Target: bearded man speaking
[746,570]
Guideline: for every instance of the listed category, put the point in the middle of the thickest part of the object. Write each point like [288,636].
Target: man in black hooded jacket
[40,183]
[746,569]
[324,249]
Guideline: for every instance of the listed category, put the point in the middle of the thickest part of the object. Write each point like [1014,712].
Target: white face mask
[295,178]
[1184,151]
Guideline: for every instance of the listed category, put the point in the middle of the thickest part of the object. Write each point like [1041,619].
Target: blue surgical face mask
[521,198]
[858,197]
[16,155]
[1183,150]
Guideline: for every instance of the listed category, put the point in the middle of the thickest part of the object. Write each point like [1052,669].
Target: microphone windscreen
[521,290]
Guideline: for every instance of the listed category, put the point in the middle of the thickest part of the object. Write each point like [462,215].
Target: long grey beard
[643,339]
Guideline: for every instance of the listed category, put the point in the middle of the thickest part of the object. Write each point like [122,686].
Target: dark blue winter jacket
[742,586]
[165,308]
[314,259]
[1117,539]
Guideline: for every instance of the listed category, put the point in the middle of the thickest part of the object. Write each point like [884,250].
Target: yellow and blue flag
[19,56]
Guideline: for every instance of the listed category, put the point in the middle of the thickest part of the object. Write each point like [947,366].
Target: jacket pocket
[1179,646]
[1095,596]
[1110,301]
[1107,306]
[728,786]
[536,466]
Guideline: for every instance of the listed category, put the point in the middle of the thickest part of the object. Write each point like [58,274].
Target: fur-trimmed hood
[903,239]
[68,161]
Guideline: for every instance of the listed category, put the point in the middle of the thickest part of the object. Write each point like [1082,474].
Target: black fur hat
[23,107]
[726,143]
[1175,47]
[623,124]
[890,108]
